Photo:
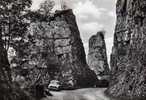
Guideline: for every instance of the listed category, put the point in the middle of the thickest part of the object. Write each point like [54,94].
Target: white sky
[91,16]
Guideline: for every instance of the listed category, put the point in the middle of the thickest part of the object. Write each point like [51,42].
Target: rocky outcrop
[97,58]
[128,79]
[55,52]
[69,50]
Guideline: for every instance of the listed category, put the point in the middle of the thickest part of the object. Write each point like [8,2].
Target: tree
[46,7]
[33,54]
[13,21]
[4,71]
[12,26]
[8,91]
[63,5]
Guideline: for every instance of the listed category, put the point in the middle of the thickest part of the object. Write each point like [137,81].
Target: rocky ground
[79,94]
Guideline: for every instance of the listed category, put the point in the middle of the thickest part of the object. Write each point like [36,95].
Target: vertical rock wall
[70,51]
[61,38]
[128,58]
[97,58]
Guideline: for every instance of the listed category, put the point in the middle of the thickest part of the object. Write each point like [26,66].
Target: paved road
[80,94]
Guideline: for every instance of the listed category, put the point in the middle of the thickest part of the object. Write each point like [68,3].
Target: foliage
[46,7]
[12,26]
[13,21]
[36,56]
[33,50]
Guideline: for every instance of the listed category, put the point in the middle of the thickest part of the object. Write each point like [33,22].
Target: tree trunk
[5,74]
[8,91]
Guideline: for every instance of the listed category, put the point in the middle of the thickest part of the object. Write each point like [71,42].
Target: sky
[91,16]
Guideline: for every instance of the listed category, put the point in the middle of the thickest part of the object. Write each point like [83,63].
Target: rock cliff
[97,58]
[55,48]
[69,50]
[128,79]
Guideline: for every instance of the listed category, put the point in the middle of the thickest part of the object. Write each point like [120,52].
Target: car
[54,85]
[104,77]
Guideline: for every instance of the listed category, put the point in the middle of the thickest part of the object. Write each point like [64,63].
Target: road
[80,94]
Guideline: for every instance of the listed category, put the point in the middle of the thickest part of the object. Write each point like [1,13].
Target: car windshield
[54,82]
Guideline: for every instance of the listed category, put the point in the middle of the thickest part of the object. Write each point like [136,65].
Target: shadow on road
[79,94]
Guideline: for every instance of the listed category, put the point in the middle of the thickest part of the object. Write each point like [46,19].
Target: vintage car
[54,85]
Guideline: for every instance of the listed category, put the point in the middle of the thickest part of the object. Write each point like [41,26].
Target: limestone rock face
[129,51]
[58,51]
[97,58]
[69,50]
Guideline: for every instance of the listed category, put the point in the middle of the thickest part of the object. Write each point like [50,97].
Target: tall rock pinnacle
[97,58]
[128,58]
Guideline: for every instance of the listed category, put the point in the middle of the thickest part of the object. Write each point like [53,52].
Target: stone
[129,53]
[97,57]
